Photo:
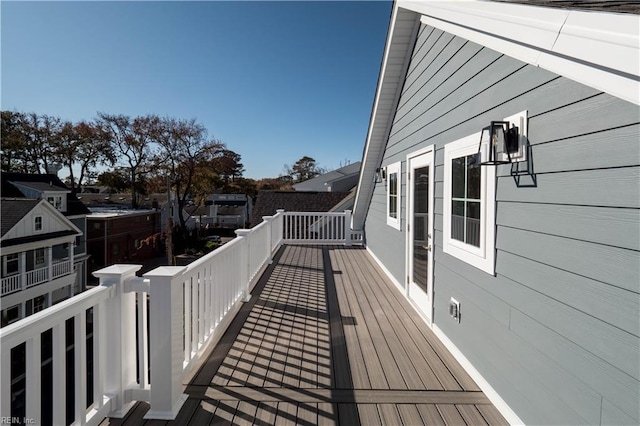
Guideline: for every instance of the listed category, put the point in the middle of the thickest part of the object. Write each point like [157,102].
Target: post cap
[117,269]
[165,271]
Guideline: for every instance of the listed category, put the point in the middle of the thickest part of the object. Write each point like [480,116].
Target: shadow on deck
[327,339]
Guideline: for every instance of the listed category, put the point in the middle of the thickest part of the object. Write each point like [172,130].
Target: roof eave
[401,37]
[598,49]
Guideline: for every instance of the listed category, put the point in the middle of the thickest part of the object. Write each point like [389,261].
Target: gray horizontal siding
[556,330]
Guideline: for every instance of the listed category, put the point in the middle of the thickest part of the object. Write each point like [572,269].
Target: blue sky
[273,80]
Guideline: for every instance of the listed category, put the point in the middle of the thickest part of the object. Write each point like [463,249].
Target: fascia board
[372,148]
[45,242]
[604,39]
[598,49]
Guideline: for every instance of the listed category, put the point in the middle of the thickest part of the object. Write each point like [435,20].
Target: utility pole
[169,224]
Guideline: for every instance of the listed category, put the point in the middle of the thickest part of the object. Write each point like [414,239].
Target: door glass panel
[420,227]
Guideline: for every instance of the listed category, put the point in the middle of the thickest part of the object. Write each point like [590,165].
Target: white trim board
[598,49]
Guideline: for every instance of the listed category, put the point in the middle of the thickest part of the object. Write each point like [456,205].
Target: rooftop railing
[138,338]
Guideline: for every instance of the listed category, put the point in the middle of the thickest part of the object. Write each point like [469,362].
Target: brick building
[122,236]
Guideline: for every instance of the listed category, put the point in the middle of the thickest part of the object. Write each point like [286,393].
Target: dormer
[54,194]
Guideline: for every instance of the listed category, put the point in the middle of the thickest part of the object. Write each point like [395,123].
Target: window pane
[11,264]
[473,224]
[473,179]
[40,254]
[457,220]
[393,184]
[457,177]
[393,206]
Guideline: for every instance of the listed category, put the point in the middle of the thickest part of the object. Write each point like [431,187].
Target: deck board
[327,339]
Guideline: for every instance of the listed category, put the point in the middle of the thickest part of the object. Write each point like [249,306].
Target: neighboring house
[169,209]
[121,200]
[343,179]
[230,210]
[48,187]
[528,272]
[122,236]
[268,202]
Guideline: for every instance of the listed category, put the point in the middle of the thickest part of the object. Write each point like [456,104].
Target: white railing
[189,308]
[37,276]
[11,284]
[25,336]
[318,228]
[58,269]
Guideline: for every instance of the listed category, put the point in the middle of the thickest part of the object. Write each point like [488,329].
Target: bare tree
[84,144]
[13,142]
[29,141]
[184,149]
[132,142]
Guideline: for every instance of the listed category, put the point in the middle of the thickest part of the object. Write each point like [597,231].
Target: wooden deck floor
[327,339]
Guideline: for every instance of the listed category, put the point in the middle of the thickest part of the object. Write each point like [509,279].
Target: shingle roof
[294,201]
[13,210]
[41,182]
[329,177]
[41,186]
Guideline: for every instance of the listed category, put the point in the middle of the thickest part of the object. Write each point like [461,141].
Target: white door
[420,187]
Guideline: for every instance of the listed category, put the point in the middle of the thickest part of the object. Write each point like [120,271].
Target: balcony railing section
[37,276]
[34,277]
[188,310]
[319,228]
[27,338]
[61,268]
[11,283]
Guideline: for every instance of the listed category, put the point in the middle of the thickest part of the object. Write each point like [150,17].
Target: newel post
[165,337]
[347,227]
[269,220]
[280,224]
[119,334]
[245,262]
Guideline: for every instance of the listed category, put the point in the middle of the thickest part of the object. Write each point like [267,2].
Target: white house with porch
[37,257]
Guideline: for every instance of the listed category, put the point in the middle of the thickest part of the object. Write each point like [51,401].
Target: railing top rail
[314,213]
[207,257]
[33,325]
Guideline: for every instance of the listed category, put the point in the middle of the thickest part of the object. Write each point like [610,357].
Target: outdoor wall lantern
[381,174]
[502,141]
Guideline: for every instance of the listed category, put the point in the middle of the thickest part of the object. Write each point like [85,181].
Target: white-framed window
[37,223]
[393,195]
[39,256]
[469,205]
[56,201]
[10,264]
[10,315]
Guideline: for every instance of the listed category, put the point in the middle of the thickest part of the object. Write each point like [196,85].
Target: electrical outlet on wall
[454,309]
